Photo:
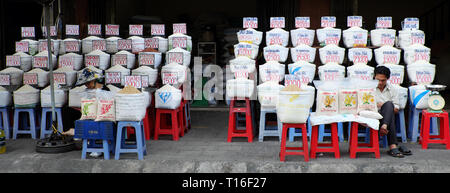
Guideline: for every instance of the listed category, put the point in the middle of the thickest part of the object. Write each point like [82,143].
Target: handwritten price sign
[94,30]
[390,58]
[272,55]
[43,46]
[332,38]
[30,79]
[22,46]
[303,56]
[387,39]
[5,79]
[384,22]
[354,21]
[99,45]
[13,61]
[332,56]
[303,76]
[52,31]
[179,42]
[66,61]
[73,30]
[136,30]
[330,75]
[411,23]
[113,78]
[120,59]
[302,22]
[395,78]
[175,57]
[134,81]
[92,61]
[72,46]
[112,30]
[40,62]
[124,44]
[59,78]
[152,43]
[158,30]
[241,74]
[417,38]
[421,55]
[179,28]
[303,39]
[28,32]
[328,21]
[292,79]
[250,22]
[146,59]
[275,39]
[277,22]
[362,75]
[169,78]
[423,77]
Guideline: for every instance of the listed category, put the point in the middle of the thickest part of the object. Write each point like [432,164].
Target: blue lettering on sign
[165,96]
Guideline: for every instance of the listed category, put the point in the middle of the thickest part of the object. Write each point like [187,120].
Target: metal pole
[50,63]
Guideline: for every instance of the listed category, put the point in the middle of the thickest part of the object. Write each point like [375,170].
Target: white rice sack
[86,44]
[138,43]
[174,74]
[292,106]
[26,96]
[419,96]
[147,59]
[113,88]
[360,72]
[180,41]
[250,36]
[167,97]
[55,44]
[277,36]
[25,61]
[122,70]
[112,45]
[329,36]
[331,72]
[131,59]
[371,115]
[383,37]
[106,108]
[305,70]
[397,73]
[360,55]
[332,53]
[77,60]
[33,46]
[88,108]
[402,94]
[43,77]
[303,53]
[242,64]
[421,72]
[147,71]
[268,94]
[355,37]
[185,60]
[416,52]
[16,75]
[5,97]
[240,88]
[302,36]
[366,96]
[163,44]
[387,55]
[60,97]
[45,54]
[71,75]
[62,46]
[246,49]
[407,38]
[75,96]
[276,53]
[130,107]
[104,59]
[271,71]
[348,101]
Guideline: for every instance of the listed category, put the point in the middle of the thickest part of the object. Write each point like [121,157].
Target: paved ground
[204,150]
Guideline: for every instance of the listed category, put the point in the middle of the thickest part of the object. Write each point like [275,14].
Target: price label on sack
[145,81]
[112,30]
[250,22]
[28,32]
[362,75]
[354,21]
[272,75]
[241,74]
[125,44]
[291,79]
[330,74]
[179,42]
[158,30]
[169,78]
[13,61]
[43,46]
[303,76]
[30,79]
[277,22]
[94,30]
[360,56]
[92,61]
[272,55]
[22,46]
[332,56]
[146,59]
[303,55]
[275,39]
[387,39]
[151,43]
[417,38]
[384,22]
[52,31]
[421,55]
[136,30]
[328,21]
[73,30]
[175,57]
[113,78]
[40,61]
[5,79]
[302,22]
[72,46]
[332,38]
[65,61]
[390,57]
[411,23]
[120,59]
[134,81]
[423,77]
[99,45]
[303,38]
[244,50]
[59,78]
[179,28]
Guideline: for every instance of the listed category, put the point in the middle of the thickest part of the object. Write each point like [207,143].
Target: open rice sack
[303,53]
[137,44]
[332,53]
[302,36]
[179,40]
[153,59]
[421,72]
[130,59]
[44,54]
[106,108]
[86,44]
[276,53]
[387,55]
[75,96]
[25,61]
[292,105]
[272,71]
[112,45]
[360,55]
[402,94]
[33,46]
[383,37]
[416,52]
[247,50]
[348,97]
[43,78]
[419,96]
[305,70]
[360,72]
[174,74]
[242,64]
[331,72]
[104,59]
[147,71]
[119,69]
[366,95]
[178,55]
[71,59]
[163,44]
[407,38]
[397,73]
[167,97]
[277,36]
[73,46]
[70,74]
[327,101]
[328,36]
[240,88]
[131,104]
[15,74]
[355,37]
[268,94]
[5,97]
[250,36]
[60,97]
[26,97]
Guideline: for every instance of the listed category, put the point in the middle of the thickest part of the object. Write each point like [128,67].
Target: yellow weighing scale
[435,102]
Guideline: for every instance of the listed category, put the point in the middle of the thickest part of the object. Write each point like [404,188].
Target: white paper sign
[120,59]
[250,22]
[241,74]
[72,46]
[277,22]
[158,30]
[52,31]
[423,77]
[112,30]
[179,42]
[417,38]
[390,57]
[293,80]
[328,21]
[5,79]
[30,79]
[59,78]
[73,30]
[99,45]
[175,57]
[22,46]
[125,44]
[94,30]
[134,81]
[151,43]
[384,22]
[13,61]
[411,23]
[28,32]
[43,46]
[136,30]
[113,78]
[302,22]
[92,61]
[332,56]
[66,61]
[40,62]
[179,28]
[146,59]
[354,21]
[169,78]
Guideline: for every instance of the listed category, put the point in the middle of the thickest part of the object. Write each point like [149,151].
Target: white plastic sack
[240,88]
[138,43]
[25,61]
[163,44]
[147,71]
[397,73]
[355,36]
[250,36]
[62,46]
[174,55]
[293,107]
[402,94]
[43,77]
[329,36]
[246,49]
[174,74]
[277,36]
[331,72]
[410,37]
[332,53]
[86,44]
[5,97]
[167,97]
[112,45]
[371,115]
[383,37]
[75,96]
[15,74]
[130,107]
[242,64]
[268,94]
[421,72]
[419,96]
[185,41]
[122,70]
[106,108]
[303,53]
[387,55]
[360,72]
[33,46]
[60,97]
[104,59]
[45,54]
[302,36]
[26,96]
[71,75]
[131,59]
[276,53]
[416,52]
[271,71]
[360,55]
[77,60]
[303,69]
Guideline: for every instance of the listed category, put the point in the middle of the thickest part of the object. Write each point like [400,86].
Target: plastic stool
[32,122]
[298,133]
[266,130]
[4,122]
[303,150]
[232,125]
[187,114]
[146,122]
[444,133]
[323,132]
[400,125]
[355,147]
[121,147]
[333,146]
[413,129]
[384,142]
[91,131]
[175,127]
[182,118]
[46,129]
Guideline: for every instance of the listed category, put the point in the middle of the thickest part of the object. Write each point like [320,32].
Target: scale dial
[436,102]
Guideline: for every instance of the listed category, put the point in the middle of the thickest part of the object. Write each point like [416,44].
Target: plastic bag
[348,97]
[106,109]
[327,102]
[366,95]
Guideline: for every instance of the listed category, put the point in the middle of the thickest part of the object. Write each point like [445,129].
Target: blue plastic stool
[187,113]
[4,122]
[46,121]
[121,147]
[269,130]
[400,125]
[295,132]
[413,129]
[327,133]
[383,139]
[91,131]
[28,127]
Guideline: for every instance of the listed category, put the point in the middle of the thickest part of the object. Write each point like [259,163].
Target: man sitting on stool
[388,106]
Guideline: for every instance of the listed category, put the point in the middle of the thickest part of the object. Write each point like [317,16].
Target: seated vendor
[388,106]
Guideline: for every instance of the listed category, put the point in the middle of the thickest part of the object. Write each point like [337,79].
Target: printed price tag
[43,45]
[179,42]
[387,39]
[423,77]
[40,62]
[277,22]
[292,80]
[120,59]
[94,30]
[73,30]
[59,78]
[52,31]
[72,46]
[417,38]
[169,78]
[66,61]
[411,23]
[134,81]
[125,44]
[113,78]
[152,43]
[92,61]
[30,78]
[241,74]
[354,21]
[390,57]
[136,30]
[99,45]
[5,79]
[112,30]
[332,56]
[384,22]
[13,61]
[22,46]
[158,30]
[302,22]
[147,59]
[328,21]
[28,32]
[250,22]
[175,57]
[179,28]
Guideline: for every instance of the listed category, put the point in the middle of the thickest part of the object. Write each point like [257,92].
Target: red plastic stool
[334,142]
[232,125]
[355,147]
[303,150]
[444,132]
[175,127]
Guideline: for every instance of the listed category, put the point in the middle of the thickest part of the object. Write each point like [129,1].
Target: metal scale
[435,102]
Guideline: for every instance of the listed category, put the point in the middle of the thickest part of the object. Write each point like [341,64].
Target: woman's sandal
[404,150]
[395,153]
